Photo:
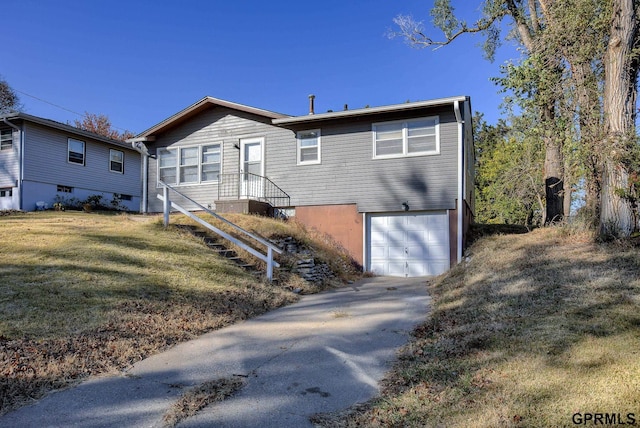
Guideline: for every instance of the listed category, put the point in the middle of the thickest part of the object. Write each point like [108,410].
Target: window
[116,161]
[406,138]
[167,166]
[210,163]
[6,139]
[6,193]
[309,147]
[75,151]
[190,165]
[64,189]
[122,197]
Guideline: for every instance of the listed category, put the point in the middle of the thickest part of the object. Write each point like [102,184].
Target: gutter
[138,145]
[456,109]
[20,159]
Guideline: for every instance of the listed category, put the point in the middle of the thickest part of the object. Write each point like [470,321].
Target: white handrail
[268,258]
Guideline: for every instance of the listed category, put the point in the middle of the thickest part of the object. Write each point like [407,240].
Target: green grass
[89,293]
[532,330]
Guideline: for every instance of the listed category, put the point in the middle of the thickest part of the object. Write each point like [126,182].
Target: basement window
[64,189]
[6,193]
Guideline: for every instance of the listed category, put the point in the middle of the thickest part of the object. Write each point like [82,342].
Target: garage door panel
[409,244]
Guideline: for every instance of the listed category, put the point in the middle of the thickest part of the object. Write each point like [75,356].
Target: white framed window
[210,162]
[6,193]
[64,189]
[116,161]
[6,139]
[190,165]
[75,151]
[415,137]
[308,147]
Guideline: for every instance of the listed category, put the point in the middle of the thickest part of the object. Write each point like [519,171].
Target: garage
[408,245]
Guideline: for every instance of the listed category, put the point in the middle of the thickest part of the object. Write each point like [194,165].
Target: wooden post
[166,204]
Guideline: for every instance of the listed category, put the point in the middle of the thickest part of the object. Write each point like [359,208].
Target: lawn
[533,330]
[91,293]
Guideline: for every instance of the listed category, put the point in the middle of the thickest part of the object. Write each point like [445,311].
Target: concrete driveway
[322,354]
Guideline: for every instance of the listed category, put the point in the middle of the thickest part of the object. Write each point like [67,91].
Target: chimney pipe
[311,107]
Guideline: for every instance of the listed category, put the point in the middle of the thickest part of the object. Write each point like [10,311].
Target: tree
[509,183]
[580,76]
[9,100]
[541,85]
[101,125]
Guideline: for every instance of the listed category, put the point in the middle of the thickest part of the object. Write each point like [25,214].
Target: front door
[251,168]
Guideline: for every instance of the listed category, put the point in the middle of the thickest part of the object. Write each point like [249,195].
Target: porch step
[220,248]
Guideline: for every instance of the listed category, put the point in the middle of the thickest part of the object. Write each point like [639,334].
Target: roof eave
[64,127]
[368,111]
[203,104]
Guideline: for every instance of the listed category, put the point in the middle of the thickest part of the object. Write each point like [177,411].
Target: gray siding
[9,163]
[45,161]
[216,125]
[349,174]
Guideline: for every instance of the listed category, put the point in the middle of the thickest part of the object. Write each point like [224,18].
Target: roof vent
[311,106]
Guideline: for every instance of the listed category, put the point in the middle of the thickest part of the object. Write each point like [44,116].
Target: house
[43,161]
[392,184]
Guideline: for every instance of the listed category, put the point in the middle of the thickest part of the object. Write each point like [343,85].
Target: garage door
[408,245]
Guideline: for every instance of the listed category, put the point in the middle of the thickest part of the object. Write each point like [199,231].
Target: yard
[534,330]
[84,294]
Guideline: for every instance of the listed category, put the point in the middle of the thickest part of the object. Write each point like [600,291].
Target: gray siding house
[392,184]
[41,160]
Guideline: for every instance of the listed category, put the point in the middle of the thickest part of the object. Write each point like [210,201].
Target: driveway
[322,354]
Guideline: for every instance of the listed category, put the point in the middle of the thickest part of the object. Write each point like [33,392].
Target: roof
[204,104]
[368,111]
[63,127]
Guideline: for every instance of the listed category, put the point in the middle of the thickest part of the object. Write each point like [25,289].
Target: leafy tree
[509,182]
[101,125]
[579,79]
[541,86]
[9,100]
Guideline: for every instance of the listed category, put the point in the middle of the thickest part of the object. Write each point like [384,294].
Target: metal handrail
[246,185]
[271,247]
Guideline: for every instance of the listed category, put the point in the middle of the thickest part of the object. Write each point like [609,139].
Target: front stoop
[244,206]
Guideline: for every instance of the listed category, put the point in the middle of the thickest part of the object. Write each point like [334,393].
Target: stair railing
[270,247]
[245,185]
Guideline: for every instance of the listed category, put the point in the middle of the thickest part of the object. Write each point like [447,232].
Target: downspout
[20,160]
[138,145]
[456,109]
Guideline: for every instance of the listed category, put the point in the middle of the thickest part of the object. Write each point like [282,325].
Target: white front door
[408,245]
[251,168]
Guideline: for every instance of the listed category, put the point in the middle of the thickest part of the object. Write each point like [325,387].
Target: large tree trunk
[553,170]
[621,73]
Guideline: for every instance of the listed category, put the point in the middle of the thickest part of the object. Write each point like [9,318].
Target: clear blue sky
[139,62]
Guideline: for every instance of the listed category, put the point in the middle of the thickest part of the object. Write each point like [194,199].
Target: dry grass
[532,330]
[199,397]
[84,294]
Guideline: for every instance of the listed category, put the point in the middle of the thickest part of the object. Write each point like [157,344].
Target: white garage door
[408,245]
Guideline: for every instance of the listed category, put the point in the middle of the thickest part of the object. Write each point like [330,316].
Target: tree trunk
[621,73]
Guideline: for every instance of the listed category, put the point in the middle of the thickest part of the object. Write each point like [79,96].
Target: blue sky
[139,62]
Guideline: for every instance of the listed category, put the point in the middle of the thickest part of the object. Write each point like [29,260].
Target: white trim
[177,166]
[112,170]
[318,147]
[459,232]
[405,137]
[84,151]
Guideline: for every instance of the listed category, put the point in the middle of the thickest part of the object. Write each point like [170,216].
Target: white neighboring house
[42,160]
